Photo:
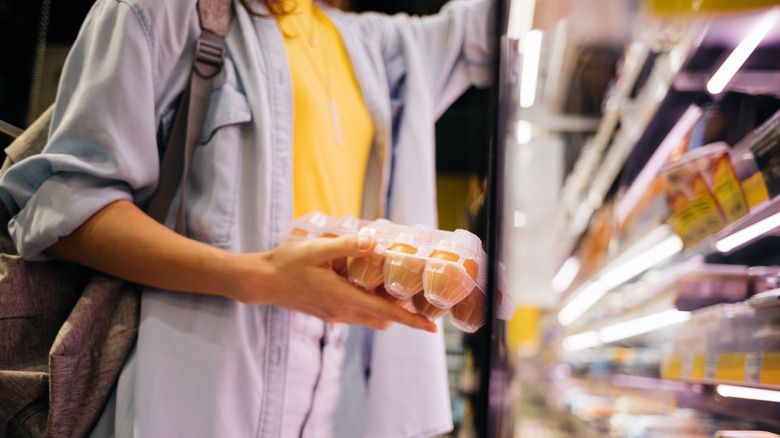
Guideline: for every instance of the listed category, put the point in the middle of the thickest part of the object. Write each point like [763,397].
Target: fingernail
[433,328]
[364,242]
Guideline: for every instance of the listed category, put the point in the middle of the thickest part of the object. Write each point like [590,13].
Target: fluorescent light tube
[581,341]
[734,62]
[532,52]
[524,132]
[592,292]
[748,393]
[585,297]
[749,233]
[642,325]
[568,272]
[642,262]
[521,17]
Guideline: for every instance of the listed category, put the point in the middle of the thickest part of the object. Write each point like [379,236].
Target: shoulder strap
[30,142]
[215,16]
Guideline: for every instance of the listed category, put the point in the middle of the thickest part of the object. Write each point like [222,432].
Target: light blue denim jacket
[208,366]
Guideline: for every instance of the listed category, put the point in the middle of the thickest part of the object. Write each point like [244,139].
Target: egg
[367,271]
[405,303]
[403,272]
[470,314]
[425,308]
[447,283]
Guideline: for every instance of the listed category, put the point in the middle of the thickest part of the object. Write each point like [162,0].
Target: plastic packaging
[707,284]
[766,150]
[316,224]
[469,315]
[368,272]
[704,193]
[452,271]
[425,270]
[405,261]
[764,278]
[426,309]
[405,303]
[753,159]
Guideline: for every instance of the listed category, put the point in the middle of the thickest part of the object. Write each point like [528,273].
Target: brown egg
[448,283]
[382,293]
[368,271]
[470,314]
[403,273]
[425,308]
[299,232]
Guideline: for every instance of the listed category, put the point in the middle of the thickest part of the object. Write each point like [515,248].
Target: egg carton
[429,271]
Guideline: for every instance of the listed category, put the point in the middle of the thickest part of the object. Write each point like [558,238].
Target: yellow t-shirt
[332,128]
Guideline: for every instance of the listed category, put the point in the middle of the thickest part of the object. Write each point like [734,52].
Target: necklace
[323,78]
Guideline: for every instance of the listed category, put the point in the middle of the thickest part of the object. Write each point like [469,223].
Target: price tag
[698,367]
[710,367]
[753,365]
[770,369]
[687,366]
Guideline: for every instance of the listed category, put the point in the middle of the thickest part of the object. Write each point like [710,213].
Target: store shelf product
[704,193]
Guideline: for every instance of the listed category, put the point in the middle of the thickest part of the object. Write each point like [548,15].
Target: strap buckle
[209,54]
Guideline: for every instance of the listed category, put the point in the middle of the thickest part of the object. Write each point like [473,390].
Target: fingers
[388,311]
[324,250]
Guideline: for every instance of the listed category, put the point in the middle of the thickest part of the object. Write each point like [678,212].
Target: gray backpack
[66,330]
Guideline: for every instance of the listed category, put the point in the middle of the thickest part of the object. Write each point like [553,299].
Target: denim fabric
[208,366]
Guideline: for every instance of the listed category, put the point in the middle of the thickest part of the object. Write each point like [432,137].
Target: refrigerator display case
[634,216]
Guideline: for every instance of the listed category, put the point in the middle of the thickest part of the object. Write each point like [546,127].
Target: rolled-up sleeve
[102,145]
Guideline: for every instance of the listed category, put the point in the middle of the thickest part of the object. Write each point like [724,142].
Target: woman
[315,109]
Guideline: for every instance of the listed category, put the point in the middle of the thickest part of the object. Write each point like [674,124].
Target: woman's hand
[298,275]
[123,241]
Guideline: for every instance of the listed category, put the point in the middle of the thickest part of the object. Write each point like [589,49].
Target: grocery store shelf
[762,220]
[756,369]
[628,265]
[625,121]
[657,320]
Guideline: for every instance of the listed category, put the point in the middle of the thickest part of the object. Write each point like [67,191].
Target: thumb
[326,249]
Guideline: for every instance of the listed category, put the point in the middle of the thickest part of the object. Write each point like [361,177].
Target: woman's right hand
[298,275]
[123,241]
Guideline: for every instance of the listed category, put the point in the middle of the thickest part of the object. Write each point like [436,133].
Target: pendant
[336,125]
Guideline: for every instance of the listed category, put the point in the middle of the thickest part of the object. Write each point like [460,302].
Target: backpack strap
[215,16]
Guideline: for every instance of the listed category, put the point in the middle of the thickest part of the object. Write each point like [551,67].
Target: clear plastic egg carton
[429,271]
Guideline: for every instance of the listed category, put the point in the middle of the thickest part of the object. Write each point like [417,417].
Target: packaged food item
[317,224]
[424,270]
[766,150]
[703,192]
[470,314]
[453,269]
[426,309]
[341,226]
[308,225]
[726,186]
[405,262]
[707,284]
[764,278]
[368,272]
[751,178]
[405,303]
